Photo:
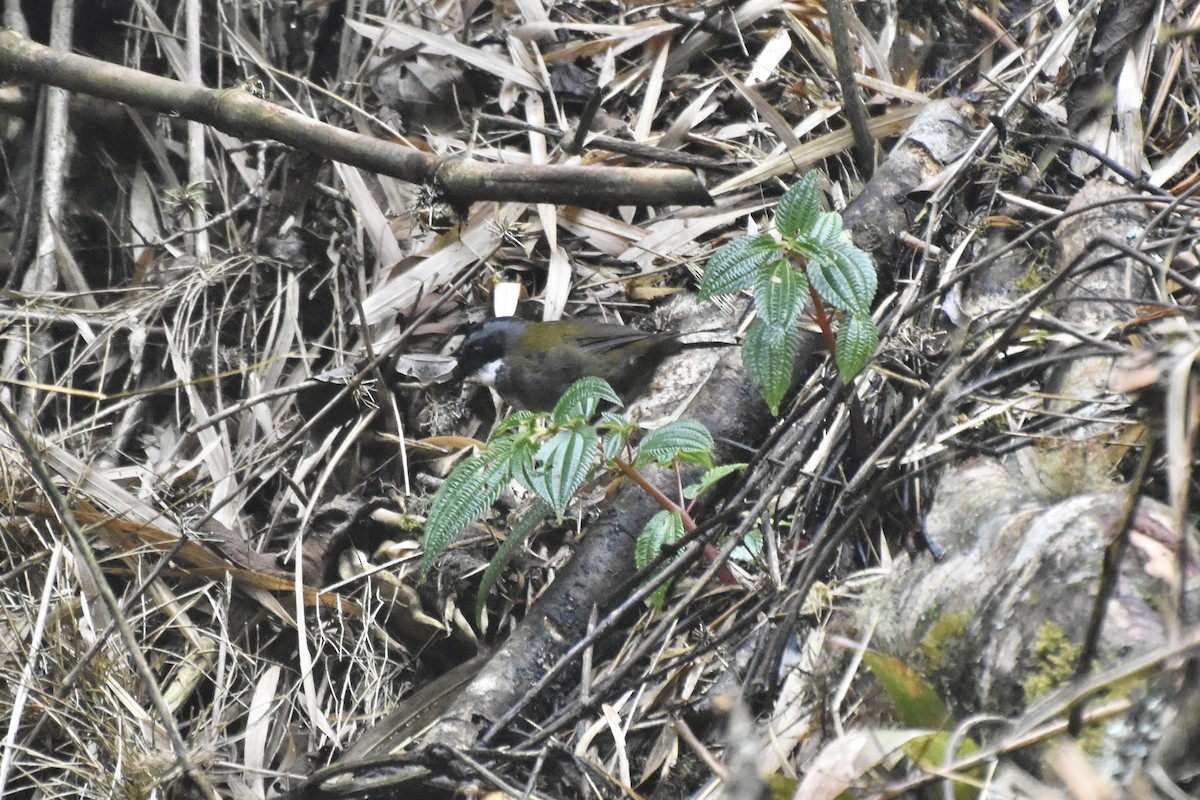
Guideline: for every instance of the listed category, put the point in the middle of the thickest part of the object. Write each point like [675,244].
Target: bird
[531,364]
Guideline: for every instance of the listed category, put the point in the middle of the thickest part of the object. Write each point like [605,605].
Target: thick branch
[239,113]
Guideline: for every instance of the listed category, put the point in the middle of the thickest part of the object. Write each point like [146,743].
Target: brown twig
[239,113]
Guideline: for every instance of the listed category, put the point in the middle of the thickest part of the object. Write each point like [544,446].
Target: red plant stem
[822,320]
[637,477]
[725,574]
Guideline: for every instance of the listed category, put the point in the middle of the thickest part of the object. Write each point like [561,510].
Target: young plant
[552,457]
[813,259]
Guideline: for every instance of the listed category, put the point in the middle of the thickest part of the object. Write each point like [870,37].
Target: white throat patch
[487,373]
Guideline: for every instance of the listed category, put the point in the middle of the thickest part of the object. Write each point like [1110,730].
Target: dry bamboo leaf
[1177,161]
[477,242]
[558,283]
[373,219]
[108,494]
[143,216]
[696,112]
[813,42]
[259,727]
[874,58]
[893,90]
[766,64]
[390,33]
[778,124]
[610,236]
[533,12]
[622,753]
[128,536]
[285,336]
[700,41]
[658,49]
[639,31]
[663,754]
[558,274]
[675,239]
[845,761]
[810,152]
[614,40]
[216,448]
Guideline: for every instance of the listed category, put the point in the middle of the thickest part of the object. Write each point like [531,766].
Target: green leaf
[659,595]
[617,430]
[779,293]
[615,422]
[750,549]
[844,277]
[518,420]
[710,479]
[516,537]
[685,439]
[582,399]
[561,466]
[769,354]
[826,231]
[733,267]
[829,283]
[857,341]
[665,527]
[917,704]
[614,443]
[469,491]
[859,270]
[799,208]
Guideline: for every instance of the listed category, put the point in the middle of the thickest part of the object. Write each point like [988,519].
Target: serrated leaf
[665,527]
[614,443]
[685,439]
[581,400]
[827,230]
[659,595]
[859,271]
[616,431]
[733,267]
[561,466]
[612,422]
[506,456]
[516,537]
[833,284]
[857,340]
[769,354]
[710,479]
[799,208]
[779,293]
[469,491]
[517,420]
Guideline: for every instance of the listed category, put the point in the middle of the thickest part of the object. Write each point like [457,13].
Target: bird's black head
[485,346]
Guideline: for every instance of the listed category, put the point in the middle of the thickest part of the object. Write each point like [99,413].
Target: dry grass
[157,389]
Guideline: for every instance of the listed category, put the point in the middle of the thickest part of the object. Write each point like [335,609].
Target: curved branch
[239,113]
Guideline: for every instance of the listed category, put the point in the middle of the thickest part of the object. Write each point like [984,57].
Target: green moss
[1031,280]
[1054,659]
[945,631]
